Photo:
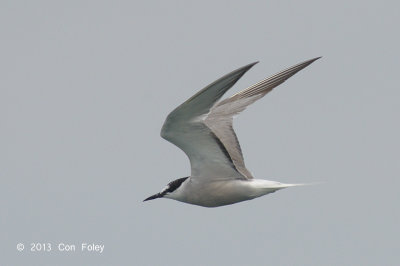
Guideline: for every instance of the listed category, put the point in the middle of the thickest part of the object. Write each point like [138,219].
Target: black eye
[172,186]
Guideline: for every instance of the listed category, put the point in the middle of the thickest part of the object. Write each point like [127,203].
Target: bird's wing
[221,114]
[185,128]
[203,129]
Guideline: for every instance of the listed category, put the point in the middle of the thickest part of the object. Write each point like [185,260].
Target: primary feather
[202,127]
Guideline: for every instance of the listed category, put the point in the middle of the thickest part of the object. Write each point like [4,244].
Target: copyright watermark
[20,247]
[36,247]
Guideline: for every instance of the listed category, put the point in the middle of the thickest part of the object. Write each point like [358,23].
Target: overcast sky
[86,86]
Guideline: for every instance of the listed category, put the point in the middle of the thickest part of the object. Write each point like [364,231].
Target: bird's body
[202,128]
[215,193]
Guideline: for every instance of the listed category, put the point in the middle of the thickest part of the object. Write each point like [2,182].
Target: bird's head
[169,189]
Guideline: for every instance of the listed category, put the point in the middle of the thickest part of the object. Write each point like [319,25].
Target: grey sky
[86,86]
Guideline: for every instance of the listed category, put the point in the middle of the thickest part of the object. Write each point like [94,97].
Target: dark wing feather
[221,115]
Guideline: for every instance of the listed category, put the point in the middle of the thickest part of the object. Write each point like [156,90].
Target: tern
[202,128]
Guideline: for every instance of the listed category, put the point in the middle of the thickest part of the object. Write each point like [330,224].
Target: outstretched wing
[219,120]
[203,128]
[185,128]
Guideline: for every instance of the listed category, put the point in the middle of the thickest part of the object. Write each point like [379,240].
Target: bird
[202,127]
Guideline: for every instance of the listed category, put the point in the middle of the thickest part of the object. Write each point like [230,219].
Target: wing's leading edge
[202,128]
[221,115]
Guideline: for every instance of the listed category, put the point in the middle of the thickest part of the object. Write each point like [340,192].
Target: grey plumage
[202,128]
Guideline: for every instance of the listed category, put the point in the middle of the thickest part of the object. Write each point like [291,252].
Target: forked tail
[283,185]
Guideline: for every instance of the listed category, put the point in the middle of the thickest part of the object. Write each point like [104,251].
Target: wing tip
[247,67]
[314,59]
[254,63]
[304,64]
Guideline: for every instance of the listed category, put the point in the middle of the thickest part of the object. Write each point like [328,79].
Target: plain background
[86,86]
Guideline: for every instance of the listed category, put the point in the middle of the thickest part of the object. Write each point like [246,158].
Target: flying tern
[202,128]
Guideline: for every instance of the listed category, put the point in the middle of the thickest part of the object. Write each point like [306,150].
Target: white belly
[214,193]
